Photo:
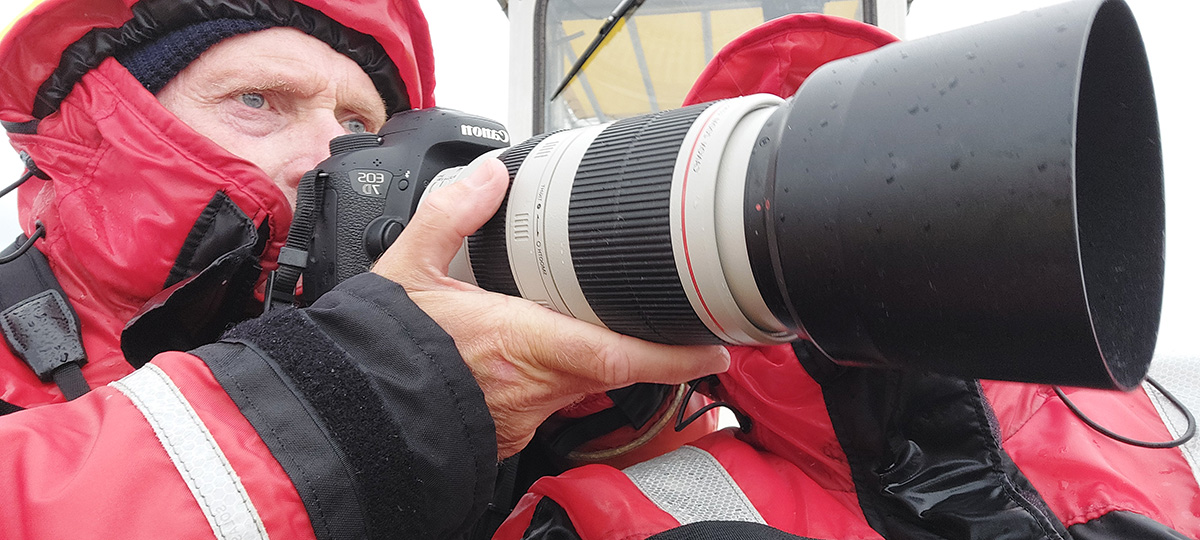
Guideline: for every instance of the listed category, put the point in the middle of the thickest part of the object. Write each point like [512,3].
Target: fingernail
[476,179]
[479,177]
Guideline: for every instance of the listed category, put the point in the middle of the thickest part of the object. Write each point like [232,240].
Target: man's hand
[529,361]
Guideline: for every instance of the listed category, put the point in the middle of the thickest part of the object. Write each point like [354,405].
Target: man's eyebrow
[258,77]
[238,78]
[357,102]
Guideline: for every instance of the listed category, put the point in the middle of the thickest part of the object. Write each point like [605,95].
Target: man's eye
[355,126]
[253,100]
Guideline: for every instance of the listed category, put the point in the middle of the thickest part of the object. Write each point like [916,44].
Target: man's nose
[325,129]
[314,142]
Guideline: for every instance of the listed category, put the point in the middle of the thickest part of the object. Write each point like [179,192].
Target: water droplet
[890,179]
[914,110]
[903,55]
[1061,28]
[970,56]
[824,123]
[1042,167]
[953,82]
[955,165]
[833,105]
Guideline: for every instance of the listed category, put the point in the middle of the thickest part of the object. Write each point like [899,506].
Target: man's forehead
[288,60]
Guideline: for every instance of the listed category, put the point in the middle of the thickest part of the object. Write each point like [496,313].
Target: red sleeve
[96,467]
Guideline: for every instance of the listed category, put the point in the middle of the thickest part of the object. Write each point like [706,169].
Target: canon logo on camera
[485,133]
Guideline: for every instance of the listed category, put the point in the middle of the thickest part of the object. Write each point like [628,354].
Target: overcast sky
[472,75]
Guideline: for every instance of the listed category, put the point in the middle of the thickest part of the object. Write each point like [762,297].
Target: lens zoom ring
[488,246]
[620,229]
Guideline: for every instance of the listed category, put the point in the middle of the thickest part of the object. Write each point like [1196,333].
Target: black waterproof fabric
[726,530]
[926,458]
[1123,525]
[551,522]
[209,289]
[366,403]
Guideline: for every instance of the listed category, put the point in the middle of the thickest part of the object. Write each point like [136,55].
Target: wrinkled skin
[530,361]
[276,98]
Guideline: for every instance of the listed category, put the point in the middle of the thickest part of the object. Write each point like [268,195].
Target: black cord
[31,170]
[681,423]
[24,178]
[1187,435]
[39,233]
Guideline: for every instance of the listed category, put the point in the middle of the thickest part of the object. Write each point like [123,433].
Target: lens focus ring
[620,229]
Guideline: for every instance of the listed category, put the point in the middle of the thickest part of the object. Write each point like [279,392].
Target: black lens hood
[986,202]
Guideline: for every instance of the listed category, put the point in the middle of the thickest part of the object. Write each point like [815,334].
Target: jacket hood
[44,54]
[137,201]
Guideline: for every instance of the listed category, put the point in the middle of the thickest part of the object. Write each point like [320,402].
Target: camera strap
[293,256]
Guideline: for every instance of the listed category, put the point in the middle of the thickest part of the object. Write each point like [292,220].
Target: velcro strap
[43,331]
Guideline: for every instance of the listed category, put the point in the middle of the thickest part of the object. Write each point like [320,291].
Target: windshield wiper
[623,10]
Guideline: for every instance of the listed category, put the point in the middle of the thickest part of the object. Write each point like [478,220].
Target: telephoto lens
[986,203]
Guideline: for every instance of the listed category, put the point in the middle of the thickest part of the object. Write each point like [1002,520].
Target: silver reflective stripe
[195,454]
[692,486]
[1180,375]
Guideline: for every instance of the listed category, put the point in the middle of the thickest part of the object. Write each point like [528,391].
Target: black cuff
[370,409]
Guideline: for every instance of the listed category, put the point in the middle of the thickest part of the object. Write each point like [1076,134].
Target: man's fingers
[444,218]
[613,360]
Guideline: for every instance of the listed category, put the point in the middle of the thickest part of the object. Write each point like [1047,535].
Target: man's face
[275,98]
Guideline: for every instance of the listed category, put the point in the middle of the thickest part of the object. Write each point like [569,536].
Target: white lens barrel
[704,157]
[539,247]
[707,222]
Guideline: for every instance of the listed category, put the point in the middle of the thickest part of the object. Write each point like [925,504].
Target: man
[165,141]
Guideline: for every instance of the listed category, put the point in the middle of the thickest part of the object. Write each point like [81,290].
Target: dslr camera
[986,203]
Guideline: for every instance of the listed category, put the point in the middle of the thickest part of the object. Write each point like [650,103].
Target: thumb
[444,219]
